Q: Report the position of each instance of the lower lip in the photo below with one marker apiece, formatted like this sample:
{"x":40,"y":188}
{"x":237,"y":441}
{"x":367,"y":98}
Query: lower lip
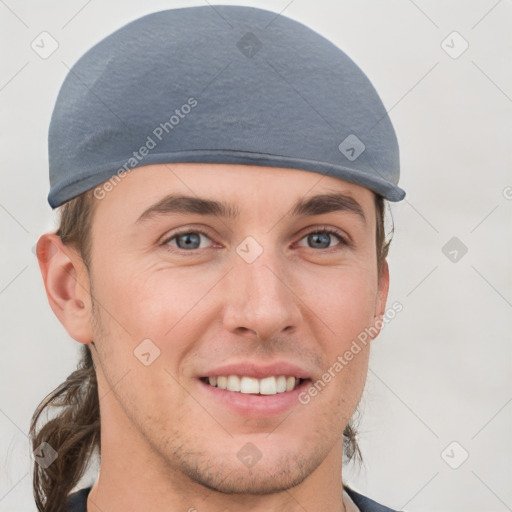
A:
{"x":255,"y":406}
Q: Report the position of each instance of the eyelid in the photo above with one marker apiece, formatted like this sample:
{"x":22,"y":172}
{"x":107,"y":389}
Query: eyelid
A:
{"x":344,"y":237}
{"x":183,"y":231}
{"x":326,"y":227}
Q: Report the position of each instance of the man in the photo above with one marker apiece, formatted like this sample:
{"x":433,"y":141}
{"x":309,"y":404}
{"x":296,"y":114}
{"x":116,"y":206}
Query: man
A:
{"x":221,"y":174}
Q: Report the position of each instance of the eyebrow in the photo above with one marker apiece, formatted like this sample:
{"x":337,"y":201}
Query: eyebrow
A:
{"x":310,"y":206}
{"x":327,"y":203}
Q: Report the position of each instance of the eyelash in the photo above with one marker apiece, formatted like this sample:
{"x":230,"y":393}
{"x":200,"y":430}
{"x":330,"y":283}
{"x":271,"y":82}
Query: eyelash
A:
{"x":344,"y":242}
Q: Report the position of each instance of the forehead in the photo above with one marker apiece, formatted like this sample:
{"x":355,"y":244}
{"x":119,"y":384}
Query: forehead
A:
{"x":238,"y":190}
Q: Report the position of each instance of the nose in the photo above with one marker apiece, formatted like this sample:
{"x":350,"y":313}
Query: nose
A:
{"x":261,"y":298}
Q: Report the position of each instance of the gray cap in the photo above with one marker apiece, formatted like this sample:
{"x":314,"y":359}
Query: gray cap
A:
{"x":222,"y":84}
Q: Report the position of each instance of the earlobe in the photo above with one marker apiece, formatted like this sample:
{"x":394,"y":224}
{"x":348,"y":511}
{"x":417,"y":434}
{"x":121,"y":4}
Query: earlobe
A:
{"x":66,"y":281}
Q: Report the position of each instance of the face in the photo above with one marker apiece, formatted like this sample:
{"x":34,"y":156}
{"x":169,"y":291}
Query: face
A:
{"x":262,"y":297}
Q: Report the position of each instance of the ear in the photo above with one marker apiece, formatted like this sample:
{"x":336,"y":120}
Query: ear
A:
{"x":66,"y":281}
{"x":381,"y":298}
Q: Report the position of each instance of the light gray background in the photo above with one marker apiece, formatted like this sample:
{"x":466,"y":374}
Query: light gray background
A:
{"x":441,"y":370}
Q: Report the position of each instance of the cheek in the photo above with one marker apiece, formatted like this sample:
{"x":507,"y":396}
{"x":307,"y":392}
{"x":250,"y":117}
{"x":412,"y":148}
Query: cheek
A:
{"x":163,"y":306}
{"x":342,"y":309}
{"x":146,"y":328}
{"x":343,"y":299}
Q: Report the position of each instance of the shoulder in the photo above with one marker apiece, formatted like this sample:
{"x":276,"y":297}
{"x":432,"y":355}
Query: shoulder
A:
{"x":77,"y":502}
{"x":366,"y":504}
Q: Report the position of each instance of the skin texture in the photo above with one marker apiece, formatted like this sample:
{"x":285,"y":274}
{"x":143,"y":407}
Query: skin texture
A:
{"x":166,"y":444}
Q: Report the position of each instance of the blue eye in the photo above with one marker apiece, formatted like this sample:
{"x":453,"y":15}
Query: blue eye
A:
{"x":321,"y":239}
{"x":186,"y":240}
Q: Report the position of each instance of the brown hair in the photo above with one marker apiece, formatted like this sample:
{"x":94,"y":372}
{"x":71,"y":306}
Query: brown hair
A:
{"x":74,"y":429}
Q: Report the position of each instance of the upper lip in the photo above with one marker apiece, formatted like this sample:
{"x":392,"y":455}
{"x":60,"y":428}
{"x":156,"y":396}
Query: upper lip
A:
{"x":259,"y":371}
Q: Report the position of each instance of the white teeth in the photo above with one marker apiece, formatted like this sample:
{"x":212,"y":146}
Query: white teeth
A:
{"x":233,"y":383}
{"x":268,"y":386}
{"x":281,"y":384}
{"x":250,"y":385}
{"x":222,"y":382}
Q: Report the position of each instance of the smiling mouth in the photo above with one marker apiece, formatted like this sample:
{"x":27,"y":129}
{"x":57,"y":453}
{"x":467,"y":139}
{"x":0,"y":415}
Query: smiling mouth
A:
{"x":249,"y":385}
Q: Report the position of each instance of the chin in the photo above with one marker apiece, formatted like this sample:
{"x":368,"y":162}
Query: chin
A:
{"x":223,"y":472}
{"x":255,"y":481}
